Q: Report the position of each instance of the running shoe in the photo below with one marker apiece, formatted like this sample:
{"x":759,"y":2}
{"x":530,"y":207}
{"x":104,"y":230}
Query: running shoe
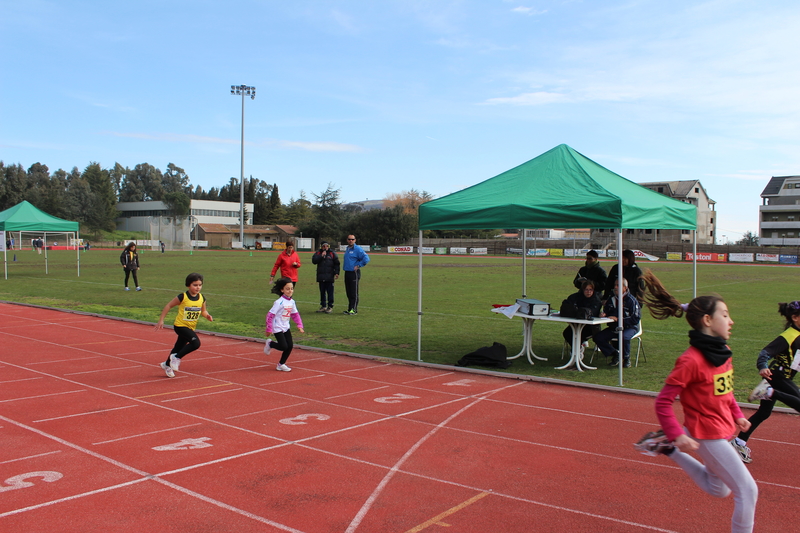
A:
{"x":138,"y":288}
{"x":763,"y":391}
{"x":174,"y":362}
{"x":167,"y":370}
{"x":321,"y":309}
{"x":655,"y":443}
{"x":283,"y":368}
{"x":329,"y":310}
{"x":127,"y":289}
{"x":743,"y":450}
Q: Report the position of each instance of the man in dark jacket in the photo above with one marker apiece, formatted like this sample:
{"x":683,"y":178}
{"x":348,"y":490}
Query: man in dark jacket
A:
{"x":631,"y":315}
{"x":327,"y":272}
{"x":593,"y":272}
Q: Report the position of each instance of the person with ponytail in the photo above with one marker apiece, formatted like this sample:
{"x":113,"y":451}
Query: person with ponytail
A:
{"x":703,"y":378}
{"x":778,"y":375}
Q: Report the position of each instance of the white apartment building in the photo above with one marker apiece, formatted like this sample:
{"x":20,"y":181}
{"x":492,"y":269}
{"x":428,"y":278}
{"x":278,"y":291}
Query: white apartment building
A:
{"x":136,"y":216}
{"x":779,"y":212}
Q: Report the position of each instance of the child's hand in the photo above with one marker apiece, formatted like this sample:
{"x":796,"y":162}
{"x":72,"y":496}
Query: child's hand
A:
{"x":301,"y":330}
{"x":159,"y":325}
{"x":743,"y":424}
{"x":210,"y":318}
{"x":686,"y":444}
{"x":765,"y":373}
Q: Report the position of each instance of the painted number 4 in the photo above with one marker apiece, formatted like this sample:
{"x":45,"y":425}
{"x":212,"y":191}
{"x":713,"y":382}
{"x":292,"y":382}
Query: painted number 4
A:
{"x":185,"y":444}
{"x":18,"y":482}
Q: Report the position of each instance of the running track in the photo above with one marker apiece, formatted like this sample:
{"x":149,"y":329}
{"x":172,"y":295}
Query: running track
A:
{"x":94,"y":438}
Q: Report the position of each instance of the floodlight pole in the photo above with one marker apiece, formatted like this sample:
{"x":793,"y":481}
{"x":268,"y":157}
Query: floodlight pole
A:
{"x":244,"y":90}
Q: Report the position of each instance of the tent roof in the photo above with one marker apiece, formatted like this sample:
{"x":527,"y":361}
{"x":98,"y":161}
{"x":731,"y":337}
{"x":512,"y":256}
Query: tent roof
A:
{"x":25,"y":217}
{"x":560,"y":188}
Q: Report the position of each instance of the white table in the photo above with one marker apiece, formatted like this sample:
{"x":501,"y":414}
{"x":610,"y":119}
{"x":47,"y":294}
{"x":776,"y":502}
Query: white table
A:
{"x":577,"y":325}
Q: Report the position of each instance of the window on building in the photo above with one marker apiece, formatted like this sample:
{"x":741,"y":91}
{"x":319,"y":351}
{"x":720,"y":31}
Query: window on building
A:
{"x":790,"y":217}
{"x":774,"y":219}
{"x":661,"y":189}
{"x":697,"y":190}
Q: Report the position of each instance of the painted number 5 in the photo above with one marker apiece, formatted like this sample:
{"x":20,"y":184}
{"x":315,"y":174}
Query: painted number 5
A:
{"x":18,"y":482}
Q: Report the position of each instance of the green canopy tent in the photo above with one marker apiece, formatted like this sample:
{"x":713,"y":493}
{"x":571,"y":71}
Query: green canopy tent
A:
{"x":25,"y":218}
{"x":559,"y":189}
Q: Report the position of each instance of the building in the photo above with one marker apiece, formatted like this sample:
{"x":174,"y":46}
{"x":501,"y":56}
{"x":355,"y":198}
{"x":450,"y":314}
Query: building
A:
{"x":779,"y":212}
{"x":690,"y":192}
{"x":137,"y":216}
{"x":255,"y":237}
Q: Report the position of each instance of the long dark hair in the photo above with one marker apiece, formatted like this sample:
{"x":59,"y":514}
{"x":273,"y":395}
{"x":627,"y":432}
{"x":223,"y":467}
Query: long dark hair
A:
{"x":129,"y":246}
{"x":789,"y":310}
{"x":279,"y":285}
{"x":663,"y":305}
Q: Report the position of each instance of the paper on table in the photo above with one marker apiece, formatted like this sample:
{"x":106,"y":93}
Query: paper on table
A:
{"x":510,"y":310}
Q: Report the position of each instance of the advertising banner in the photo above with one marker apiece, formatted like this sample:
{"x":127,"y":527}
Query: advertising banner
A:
{"x":539,"y":252}
{"x":479,"y":251}
{"x":427,"y":249}
{"x":641,"y":255}
{"x":440,"y":250}
{"x":400,"y":249}
{"x":788,"y":259}
{"x":555,"y":252}
{"x":769,"y":258}
{"x":708,"y":256}
{"x":458,"y":251}
{"x":674,"y":256}
{"x":741,"y":258}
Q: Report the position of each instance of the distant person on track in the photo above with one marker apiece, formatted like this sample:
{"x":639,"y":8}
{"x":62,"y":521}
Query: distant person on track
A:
{"x":288,"y":262}
{"x":703,"y":378}
{"x":278,"y":321}
{"x":130,"y":264}
{"x":327,"y":273}
{"x":191,"y":306}
{"x":355,"y":258}
{"x":778,"y":375}
{"x":593,"y":272}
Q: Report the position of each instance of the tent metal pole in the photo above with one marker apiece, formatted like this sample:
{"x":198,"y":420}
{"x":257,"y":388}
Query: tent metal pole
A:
{"x":620,"y":278}
{"x":78,"y":249}
{"x":524,"y":267}
{"x":46,"y":271}
{"x":419,"y":300}
{"x":694,"y":263}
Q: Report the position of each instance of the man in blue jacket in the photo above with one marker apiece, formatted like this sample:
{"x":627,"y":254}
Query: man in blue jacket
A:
{"x":354,"y":259}
{"x":631,"y":315}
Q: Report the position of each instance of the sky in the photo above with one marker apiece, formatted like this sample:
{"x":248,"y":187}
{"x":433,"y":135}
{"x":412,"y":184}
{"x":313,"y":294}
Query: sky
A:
{"x":378,"y":97}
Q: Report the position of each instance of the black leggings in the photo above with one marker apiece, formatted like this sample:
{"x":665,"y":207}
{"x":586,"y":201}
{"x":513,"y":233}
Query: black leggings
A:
{"x":784,"y":390}
{"x":187,"y":342}
{"x":284,"y":344}
{"x":128,"y":275}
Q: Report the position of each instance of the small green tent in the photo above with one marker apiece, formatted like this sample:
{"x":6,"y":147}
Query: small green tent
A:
{"x":561,"y":188}
{"x":24,"y":217}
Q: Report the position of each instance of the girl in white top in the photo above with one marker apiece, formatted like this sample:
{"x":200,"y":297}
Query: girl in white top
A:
{"x":278,"y":321}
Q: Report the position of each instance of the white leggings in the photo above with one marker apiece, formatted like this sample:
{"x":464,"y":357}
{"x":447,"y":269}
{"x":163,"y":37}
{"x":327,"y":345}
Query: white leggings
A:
{"x":722,"y":474}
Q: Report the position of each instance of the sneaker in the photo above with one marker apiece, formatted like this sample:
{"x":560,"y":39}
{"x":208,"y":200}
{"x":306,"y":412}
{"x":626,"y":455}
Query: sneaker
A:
{"x":165,"y":367}
{"x":743,"y":450}
{"x":283,"y":368}
{"x":763,"y":391}
{"x":350,"y":312}
{"x":127,"y":289}
{"x":138,"y":288}
{"x":614,"y":361}
{"x":655,"y":443}
{"x":329,"y":310}
{"x":174,"y":362}
{"x":626,"y":363}
{"x":268,"y":347}
{"x":321,"y":309}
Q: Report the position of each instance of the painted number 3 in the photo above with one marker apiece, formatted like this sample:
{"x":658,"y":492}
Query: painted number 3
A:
{"x":18,"y":482}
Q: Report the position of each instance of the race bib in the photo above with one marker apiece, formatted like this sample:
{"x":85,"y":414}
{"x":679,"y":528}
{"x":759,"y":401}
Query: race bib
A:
{"x":723,"y":383}
{"x":796,"y":362}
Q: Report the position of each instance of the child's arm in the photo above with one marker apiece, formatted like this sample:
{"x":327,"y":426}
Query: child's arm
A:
{"x":297,"y":320}
{"x":204,"y":312}
{"x":668,"y":420}
{"x":172,"y":303}
{"x":269,"y":320}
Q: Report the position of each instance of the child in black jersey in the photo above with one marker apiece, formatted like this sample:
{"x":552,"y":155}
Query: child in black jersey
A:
{"x":778,"y":375}
{"x":191,"y":306}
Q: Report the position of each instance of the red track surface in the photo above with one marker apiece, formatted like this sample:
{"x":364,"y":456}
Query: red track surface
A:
{"x":94,"y":438}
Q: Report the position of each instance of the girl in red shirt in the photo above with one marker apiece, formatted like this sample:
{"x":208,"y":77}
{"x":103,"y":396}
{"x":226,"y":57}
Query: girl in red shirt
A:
{"x":703,"y":378}
{"x":288,"y":262}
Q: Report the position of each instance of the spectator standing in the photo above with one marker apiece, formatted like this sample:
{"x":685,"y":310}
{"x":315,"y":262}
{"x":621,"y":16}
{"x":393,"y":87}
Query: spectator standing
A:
{"x":355,"y":258}
{"x":288,"y":262}
{"x":130,"y":264}
{"x":593,"y":272}
{"x":327,"y":272}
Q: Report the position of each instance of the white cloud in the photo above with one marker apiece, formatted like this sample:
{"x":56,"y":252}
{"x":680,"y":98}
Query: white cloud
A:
{"x":529,"y":99}
{"x":528,"y":11}
{"x":309,"y":146}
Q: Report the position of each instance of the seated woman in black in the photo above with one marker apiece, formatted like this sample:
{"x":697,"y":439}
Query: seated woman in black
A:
{"x":586,"y":297}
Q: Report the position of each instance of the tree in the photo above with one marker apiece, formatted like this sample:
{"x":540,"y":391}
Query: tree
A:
{"x":102,"y":211}
{"x":178,"y":203}
{"x":15,"y":185}
{"x":261,"y":210}
{"x":298,"y":211}
{"x":748,"y":239}
{"x":384,"y":226}
{"x":408,"y":200}
{"x":175,"y":180}
{"x":142,"y":184}
{"x":327,"y":219}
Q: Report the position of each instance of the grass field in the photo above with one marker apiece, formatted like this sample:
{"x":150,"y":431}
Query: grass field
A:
{"x":458,"y":293}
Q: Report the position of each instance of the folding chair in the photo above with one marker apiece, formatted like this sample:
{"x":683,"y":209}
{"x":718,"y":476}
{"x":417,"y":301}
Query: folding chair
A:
{"x":639,"y":347}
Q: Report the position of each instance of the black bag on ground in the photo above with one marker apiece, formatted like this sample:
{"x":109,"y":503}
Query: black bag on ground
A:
{"x":570,"y":310}
{"x":494,"y":355}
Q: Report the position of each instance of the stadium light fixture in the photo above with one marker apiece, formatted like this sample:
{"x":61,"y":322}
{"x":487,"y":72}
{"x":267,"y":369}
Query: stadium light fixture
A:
{"x":243,"y":90}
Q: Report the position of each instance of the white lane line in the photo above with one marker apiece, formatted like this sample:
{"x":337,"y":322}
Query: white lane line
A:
{"x":145,"y":434}
{"x":84,"y":414}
